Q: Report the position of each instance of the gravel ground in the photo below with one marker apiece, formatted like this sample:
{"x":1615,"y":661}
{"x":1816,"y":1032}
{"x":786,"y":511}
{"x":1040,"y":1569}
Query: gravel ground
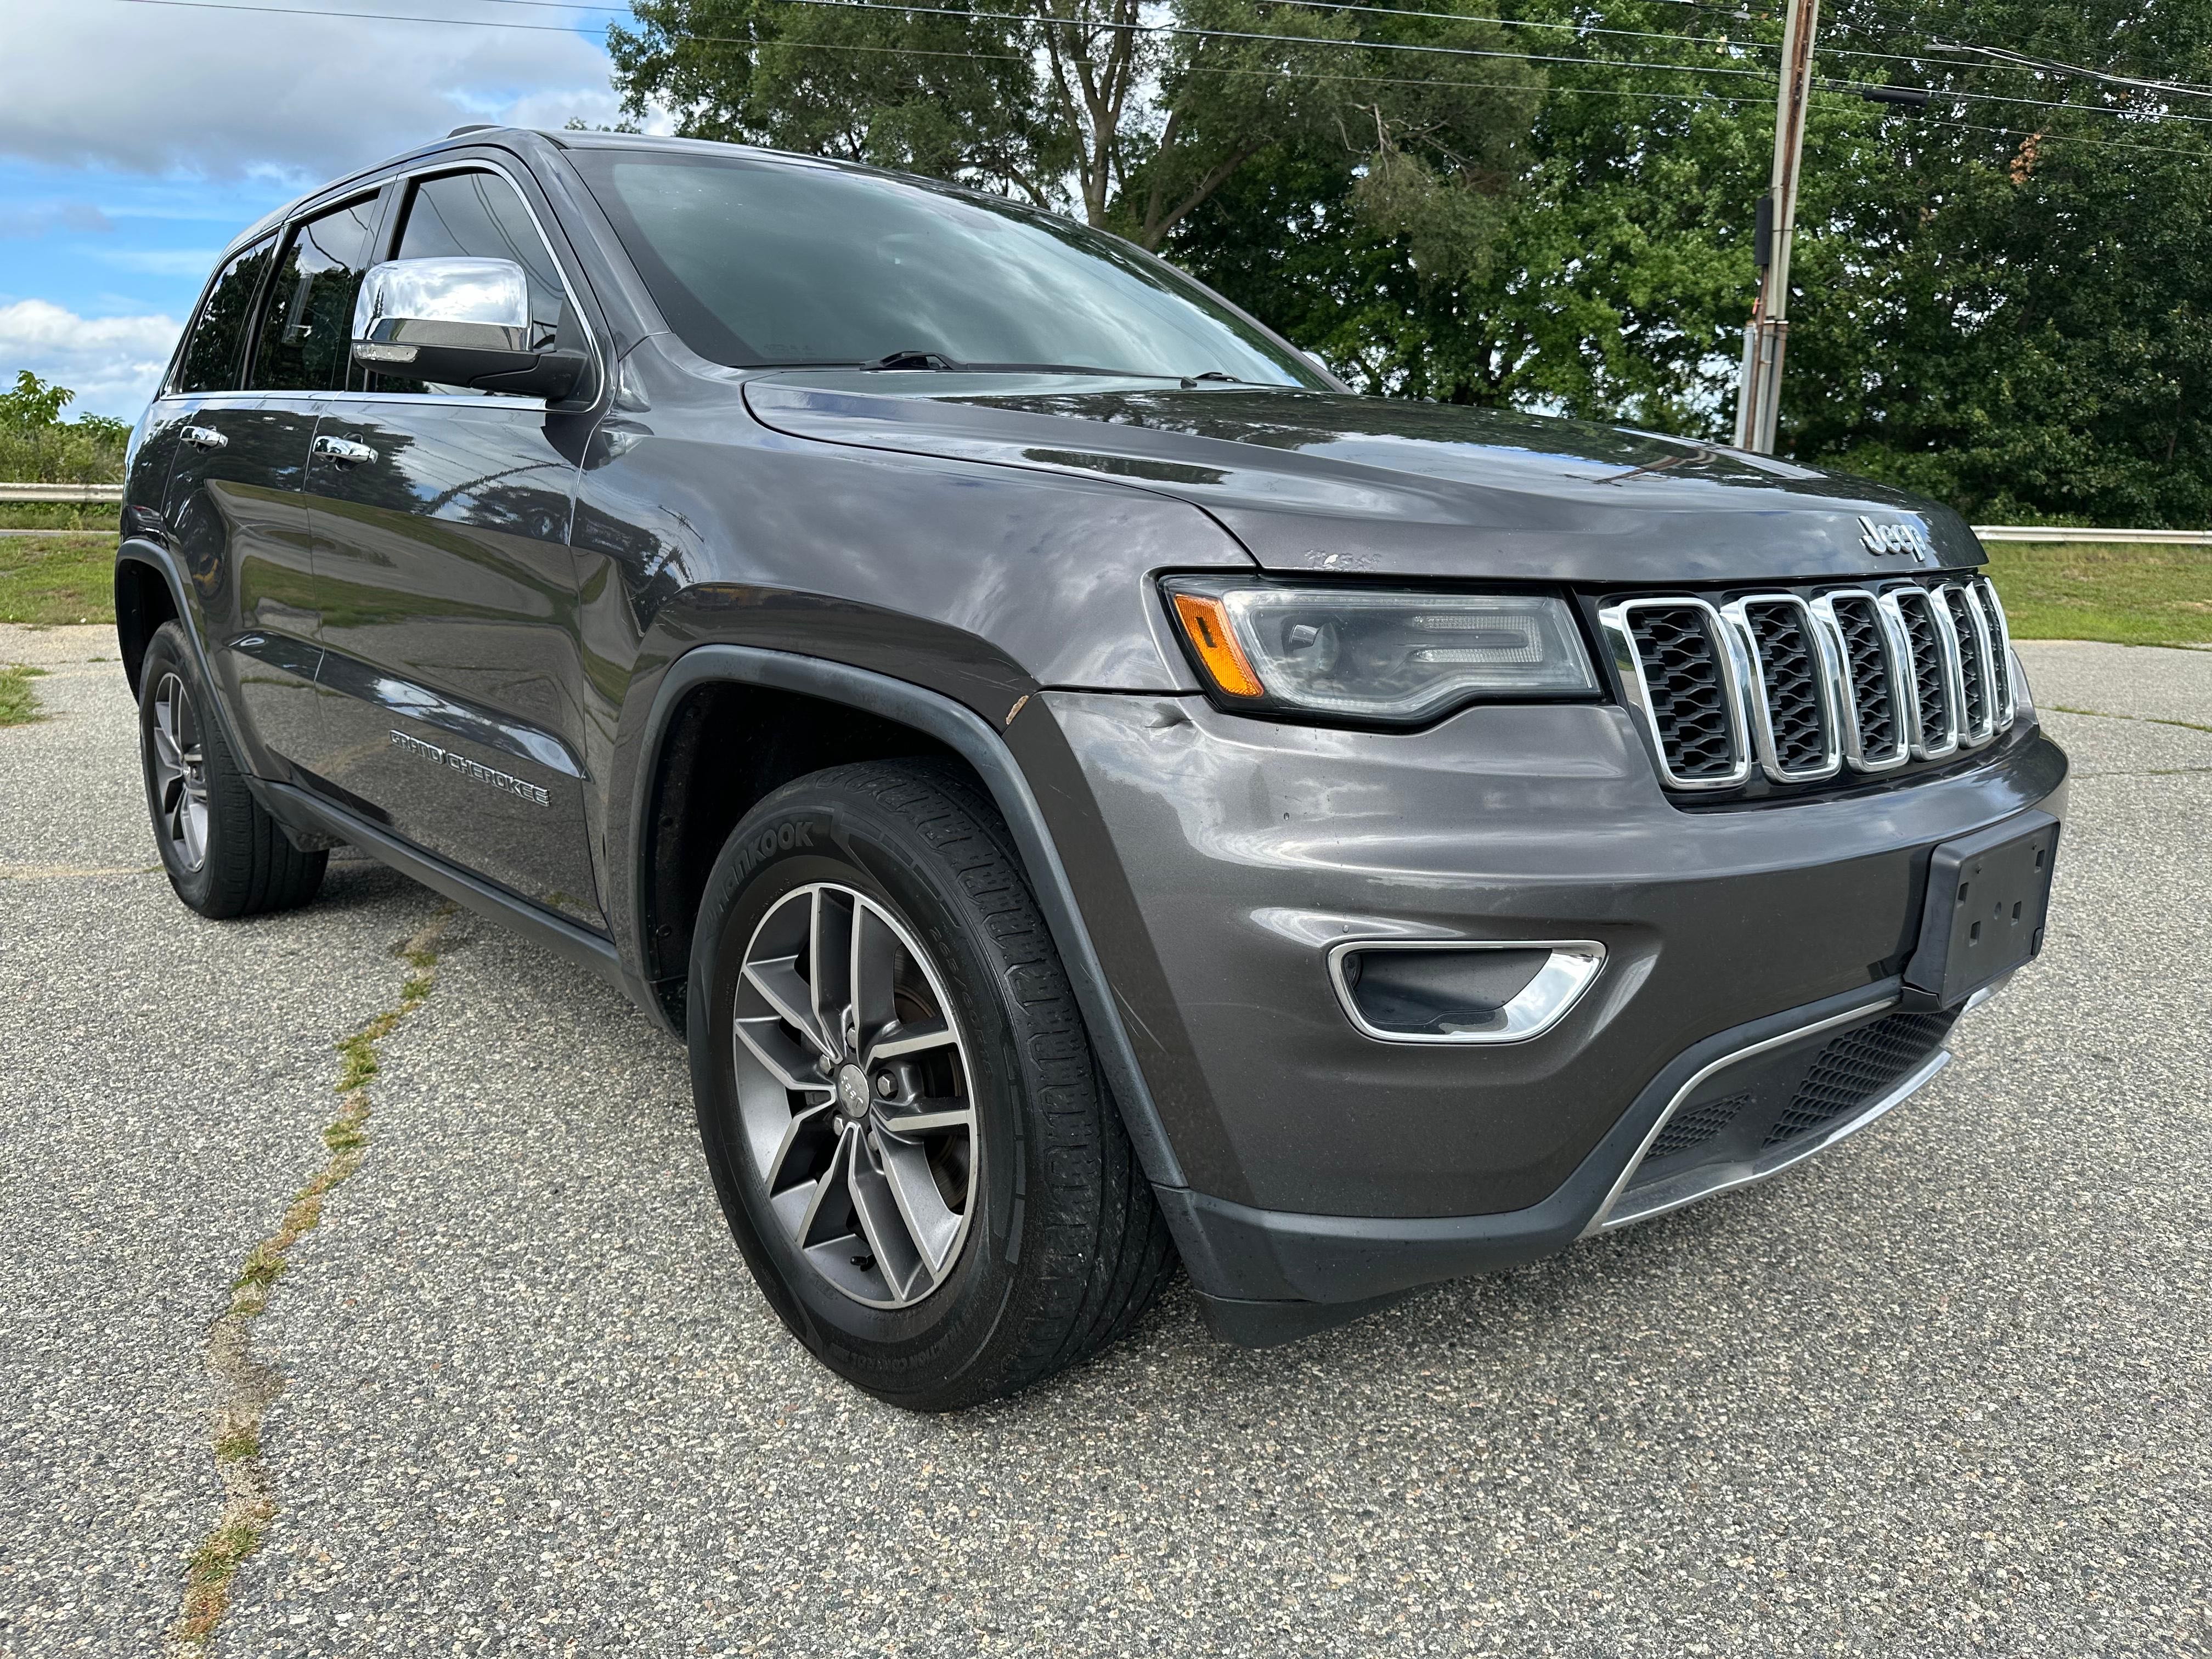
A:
{"x":1942,"y":1391}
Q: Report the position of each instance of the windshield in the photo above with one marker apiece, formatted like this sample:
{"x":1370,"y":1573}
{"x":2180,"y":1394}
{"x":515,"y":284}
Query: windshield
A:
{"x":758,"y":263}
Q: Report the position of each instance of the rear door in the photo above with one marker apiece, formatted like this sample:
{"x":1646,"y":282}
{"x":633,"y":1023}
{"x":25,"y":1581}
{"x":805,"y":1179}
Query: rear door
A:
{"x":237,"y":522}
{"x":446,"y":590}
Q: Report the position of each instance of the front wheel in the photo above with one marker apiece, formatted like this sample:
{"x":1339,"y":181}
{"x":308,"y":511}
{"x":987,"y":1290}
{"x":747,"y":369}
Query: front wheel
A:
{"x":898,"y":1101}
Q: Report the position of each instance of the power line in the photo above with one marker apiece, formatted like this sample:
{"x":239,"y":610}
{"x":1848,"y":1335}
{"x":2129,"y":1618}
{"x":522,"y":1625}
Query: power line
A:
{"x":1762,"y":73}
{"x":1724,"y":41}
{"x":1720,"y":41}
{"x":984,"y":16}
{"x":1295,"y":41}
{"x":2046,"y":66}
{"x":942,"y":11}
{"x":2040,"y":138}
{"x":1546,"y":91}
{"x":1191,"y":32}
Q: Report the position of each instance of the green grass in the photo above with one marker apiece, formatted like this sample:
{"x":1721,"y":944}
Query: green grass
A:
{"x":59,"y":515}
{"x":50,"y":579}
{"x":2128,"y":593}
{"x":2122,"y":593}
{"x":19,"y":704}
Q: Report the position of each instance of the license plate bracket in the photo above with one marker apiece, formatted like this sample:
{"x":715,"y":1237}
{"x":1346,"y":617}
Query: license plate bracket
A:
{"x":1988,"y":898}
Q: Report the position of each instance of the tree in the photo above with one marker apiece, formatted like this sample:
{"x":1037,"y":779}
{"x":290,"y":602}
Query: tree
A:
{"x":2006,"y":305}
{"x":37,"y":446}
{"x":1132,"y":116}
{"x":1622,"y":266}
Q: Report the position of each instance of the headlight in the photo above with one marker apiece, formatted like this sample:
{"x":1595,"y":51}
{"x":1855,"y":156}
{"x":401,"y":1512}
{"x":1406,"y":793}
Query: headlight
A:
{"x":1398,"y":659}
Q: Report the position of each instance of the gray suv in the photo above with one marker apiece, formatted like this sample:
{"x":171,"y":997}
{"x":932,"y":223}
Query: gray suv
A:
{"x":1092,"y":793}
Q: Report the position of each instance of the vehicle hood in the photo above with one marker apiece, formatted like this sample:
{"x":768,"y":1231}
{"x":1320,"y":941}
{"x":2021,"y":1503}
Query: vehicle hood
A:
{"x":1318,"y":480}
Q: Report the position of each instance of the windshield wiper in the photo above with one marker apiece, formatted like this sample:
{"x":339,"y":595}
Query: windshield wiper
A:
{"x":910,"y":359}
{"x":940,"y":361}
{"x":1190,"y":382}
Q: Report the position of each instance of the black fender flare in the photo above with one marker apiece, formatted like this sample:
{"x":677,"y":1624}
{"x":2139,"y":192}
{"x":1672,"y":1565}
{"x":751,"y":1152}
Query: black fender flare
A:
{"x":968,"y":735}
{"x":138,"y":549}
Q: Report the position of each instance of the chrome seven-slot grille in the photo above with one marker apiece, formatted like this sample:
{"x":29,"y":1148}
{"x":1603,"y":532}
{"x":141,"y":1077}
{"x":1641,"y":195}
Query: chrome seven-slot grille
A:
{"x":1803,"y":687}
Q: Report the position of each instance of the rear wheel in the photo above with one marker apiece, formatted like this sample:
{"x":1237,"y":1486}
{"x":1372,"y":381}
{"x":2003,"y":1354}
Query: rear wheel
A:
{"x":899,"y":1103}
{"x":225,"y":856}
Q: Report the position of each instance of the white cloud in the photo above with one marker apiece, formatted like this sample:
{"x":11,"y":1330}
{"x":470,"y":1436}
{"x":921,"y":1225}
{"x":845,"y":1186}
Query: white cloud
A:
{"x":223,"y":93}
{"x":38,"y":220}
{"x":192,"y":262}
{"x":112,"y":364}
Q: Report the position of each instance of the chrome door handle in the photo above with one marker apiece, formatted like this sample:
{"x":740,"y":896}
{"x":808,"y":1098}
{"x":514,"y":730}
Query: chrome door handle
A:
{"x":204,"y":437}
{"x":344,"y":453}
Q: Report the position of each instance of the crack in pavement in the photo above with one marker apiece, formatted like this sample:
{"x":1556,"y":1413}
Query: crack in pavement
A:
{"x":246,"y":1386}
{"x":2147,"y":772}
{"x":72,"y":872}
{"x":2144,"y":720}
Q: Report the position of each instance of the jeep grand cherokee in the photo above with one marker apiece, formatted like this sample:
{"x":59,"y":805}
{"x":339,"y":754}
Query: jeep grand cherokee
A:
{"x":1092,"y":793}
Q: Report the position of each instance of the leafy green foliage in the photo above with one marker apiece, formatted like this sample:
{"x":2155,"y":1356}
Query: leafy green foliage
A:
{"x":1087,"y":105}
{"x":2017,"y":320}
{"x":2003,"y":301}
{"x":37,"y":446}
{"x":2014,"y":320}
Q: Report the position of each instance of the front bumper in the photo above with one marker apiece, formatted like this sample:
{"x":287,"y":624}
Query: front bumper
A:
{"x":1217,"y":858}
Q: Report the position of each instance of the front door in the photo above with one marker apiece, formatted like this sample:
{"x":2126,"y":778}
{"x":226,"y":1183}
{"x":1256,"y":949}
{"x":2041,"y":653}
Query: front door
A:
{"x":447,"y":593}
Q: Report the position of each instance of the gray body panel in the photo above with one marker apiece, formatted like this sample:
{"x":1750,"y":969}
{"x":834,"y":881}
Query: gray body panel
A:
{"x":1330,"y":483}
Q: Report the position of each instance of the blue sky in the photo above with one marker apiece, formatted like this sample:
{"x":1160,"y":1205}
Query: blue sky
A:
{"x":135,"y":139}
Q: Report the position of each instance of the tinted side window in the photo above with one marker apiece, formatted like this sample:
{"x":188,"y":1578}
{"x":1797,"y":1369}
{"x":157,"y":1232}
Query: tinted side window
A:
{"x":306,"y":340}
{"x":478,"y":216}
{"x":210,"y":361}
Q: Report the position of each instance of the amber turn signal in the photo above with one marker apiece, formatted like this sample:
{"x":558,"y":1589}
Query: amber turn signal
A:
{"x":1204,"y":622}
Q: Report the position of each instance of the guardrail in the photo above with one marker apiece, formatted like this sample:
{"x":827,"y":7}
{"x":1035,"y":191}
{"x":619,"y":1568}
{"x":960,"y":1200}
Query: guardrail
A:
{"x":2035,"y":533}
{"x":75,"y":494}
{"x":93,"y":494}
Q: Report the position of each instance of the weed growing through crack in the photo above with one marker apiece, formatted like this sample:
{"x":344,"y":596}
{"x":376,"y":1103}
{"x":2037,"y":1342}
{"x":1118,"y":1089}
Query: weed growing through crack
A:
{"x":246,"y":1386}
{"x":19,"y":703}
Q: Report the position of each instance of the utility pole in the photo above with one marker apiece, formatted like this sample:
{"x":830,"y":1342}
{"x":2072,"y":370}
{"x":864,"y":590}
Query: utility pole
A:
{"x":1759,"y":393}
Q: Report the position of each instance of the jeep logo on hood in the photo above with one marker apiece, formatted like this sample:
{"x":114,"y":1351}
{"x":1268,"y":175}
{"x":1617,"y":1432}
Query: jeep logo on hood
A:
{"x":1909,"y":540}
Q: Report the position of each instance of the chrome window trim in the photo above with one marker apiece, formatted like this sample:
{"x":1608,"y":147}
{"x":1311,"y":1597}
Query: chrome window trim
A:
{"x":570,"y":283}
{"x":217,"y":399}
{"x":1759,"y":704}
{"x":1973,"y":734}
{"x":1891,"y":602}
{"x":1628,"y":663}
{"x":1893,"y":666}
{"x":1572,"y":968}
{"x":281,"y":234}
{"x":432,"y":400}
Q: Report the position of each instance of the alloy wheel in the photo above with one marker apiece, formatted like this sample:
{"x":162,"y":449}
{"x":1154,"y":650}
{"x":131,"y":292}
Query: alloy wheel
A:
{"x":179,"y":770}
{"x":855,"y":1096}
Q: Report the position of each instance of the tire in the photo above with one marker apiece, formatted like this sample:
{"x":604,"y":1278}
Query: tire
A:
{"x":1057,"y":1246}
{"x":225,"y":856}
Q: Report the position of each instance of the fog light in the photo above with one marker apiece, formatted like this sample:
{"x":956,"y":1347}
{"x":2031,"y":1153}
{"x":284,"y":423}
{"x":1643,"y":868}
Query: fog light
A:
{"x":1461,"y":991}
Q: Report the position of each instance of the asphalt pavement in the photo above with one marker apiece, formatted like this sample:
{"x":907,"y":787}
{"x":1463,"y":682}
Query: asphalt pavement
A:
{"x":1943,"y":1390}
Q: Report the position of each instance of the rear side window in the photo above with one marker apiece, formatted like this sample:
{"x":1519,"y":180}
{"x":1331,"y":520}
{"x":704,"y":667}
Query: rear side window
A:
{"x":478,"y":216}
{"x":210,"y":362}
{"x":306,"y":340}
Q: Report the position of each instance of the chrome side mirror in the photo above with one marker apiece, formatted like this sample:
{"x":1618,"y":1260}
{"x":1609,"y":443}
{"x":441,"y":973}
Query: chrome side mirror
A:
{"x":458,"y":322}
